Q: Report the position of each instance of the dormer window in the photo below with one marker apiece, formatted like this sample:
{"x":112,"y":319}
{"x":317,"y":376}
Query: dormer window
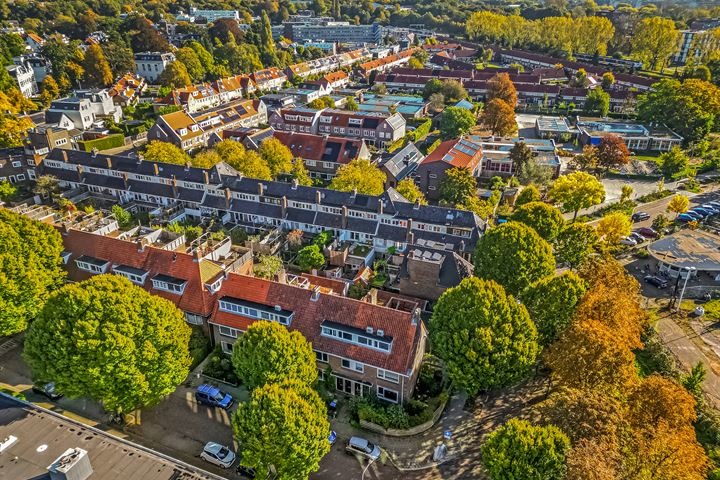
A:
{"x":92,"y":264}
{"x":135,"y":275}
{"x":257,"y":311}
{"x":183,"y":131}
{"x":169,"y":284}
{"x":357,"y":336}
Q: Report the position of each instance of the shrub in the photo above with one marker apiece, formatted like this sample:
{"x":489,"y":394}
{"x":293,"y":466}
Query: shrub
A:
{"x":219,"y":366}
{"x":104,"y":143}
{"x":199,"y":346}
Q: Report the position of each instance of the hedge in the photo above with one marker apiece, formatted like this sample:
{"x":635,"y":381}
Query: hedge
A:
{"x":104,"y":143}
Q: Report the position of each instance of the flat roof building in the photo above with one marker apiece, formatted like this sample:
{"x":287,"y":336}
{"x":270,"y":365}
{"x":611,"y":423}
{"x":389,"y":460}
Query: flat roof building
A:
{"x":687,"y":249}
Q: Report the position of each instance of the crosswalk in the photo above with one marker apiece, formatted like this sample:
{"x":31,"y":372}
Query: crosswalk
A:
{"x":7,"y":346}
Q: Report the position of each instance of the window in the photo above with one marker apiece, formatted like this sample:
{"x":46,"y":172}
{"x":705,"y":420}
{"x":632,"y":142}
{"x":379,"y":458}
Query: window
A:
{"x":169,"y":287}
{"x":352,"y":365}
{"x":89,"y":267}
{"x":21,"y":177}
{"x":358,"y":339}
{"x":138,"y":279}
{"x":232,"y":307}
{"x":387,"y":394}
{"x":226,"y":347}
{"x":193,"y":319}
{"x":16,"y":164}
{"x":228,"y":332}
{"x":322,"y":357}
{"x":388,"y":376}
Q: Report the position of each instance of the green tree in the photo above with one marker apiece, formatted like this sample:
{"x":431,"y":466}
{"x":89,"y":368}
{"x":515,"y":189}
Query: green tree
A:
{"x":361,"y":175}
{"x":485,"y":338}
{"x":120,"y":58}
{"x":625,"y":193}
{"x":525,"y":165}
{"x":608,"y":80}
{"x":499,"y":117}
{"x":457,"y":186}
{"x":674,"y":162}
{"x":158,"y":151}
{"x":6,"y":190}
{"x":432,"y":86}
{"x":574,"y":244}
{"x":300,"y":172}
{"x":282,"y":427}
{"x":188,"y":57}
{"x":269,"y":353}
{"x":513,"y":255}
{"x":309,"y":258}
{"x":267,"y":266}
{"x":109,"y":340}
{"x":456,"y":121}
{"x":545,"y":219}
{"x":46,"y":186}
{"x":175,"y":75}
{"x":408,"y":189}
{"x":527,"y":195}
{"x":551,"y":302}
{"x":206,"y":58}
{"x":519,"y":450}
{"x":268,"y":55}
{"x":598,"y":101}
{"x":97,"y":68}
{"x":123,"y":217}
{"x":654,"y":40}
{"x":30,"y":268}
{"x":577,"y":191}
{"x":49,"y":90}
{"x":453,"y":91}
{"x":277,"y":156}
{"x":351,"y":105}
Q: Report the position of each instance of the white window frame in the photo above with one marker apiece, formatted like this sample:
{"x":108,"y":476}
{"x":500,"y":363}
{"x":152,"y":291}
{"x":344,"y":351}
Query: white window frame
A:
{"x":194,"y":319}
{"x":381,"y":394}
{"x":168,"y":287}
{"x":228,"y":331}
{"x":388,"y":376}
{"x":322,"y":357}
{"x":226,"y":347}
{"x":89,"y":267}
{"x":352,"y":365}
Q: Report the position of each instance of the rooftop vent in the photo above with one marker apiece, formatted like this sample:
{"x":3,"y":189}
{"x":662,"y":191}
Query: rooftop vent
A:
{"x":7,"y":442}
{"x":74,"y":464}
{"x":278,"y":308}
{"x":381,"y":333}
{"x":370,"y":330}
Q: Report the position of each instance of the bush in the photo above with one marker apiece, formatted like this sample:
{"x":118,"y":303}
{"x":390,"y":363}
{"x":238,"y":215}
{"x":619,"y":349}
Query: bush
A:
{"x":104,"y":143}
{"x":220,"y":367}
{"x":323,"y":239}
{"x":199,"y":346}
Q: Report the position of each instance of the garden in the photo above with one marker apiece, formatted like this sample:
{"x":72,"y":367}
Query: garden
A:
{"x":219,"y":367}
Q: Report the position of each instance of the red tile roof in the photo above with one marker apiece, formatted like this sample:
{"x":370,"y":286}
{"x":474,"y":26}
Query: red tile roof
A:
{"x":319,"y":147}
{"x":459,"y":152}
{"x":195,"y":298}
{"x":309,"y":315}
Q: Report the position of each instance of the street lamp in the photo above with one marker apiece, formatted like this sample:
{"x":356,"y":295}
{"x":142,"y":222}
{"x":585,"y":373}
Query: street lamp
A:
{"x":682,"y":292}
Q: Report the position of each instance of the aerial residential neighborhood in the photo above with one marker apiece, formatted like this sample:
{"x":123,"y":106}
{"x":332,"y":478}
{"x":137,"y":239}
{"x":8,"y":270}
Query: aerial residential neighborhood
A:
{"x":332,"y":239}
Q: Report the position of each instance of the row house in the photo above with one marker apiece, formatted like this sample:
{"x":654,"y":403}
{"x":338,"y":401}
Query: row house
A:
{"x":334,"y":80}
{"x":190,"y":131}
{"x":127,"y":90}
{"x":41,"y":139}
{"x":383,"y":222}
{"x":376,"y":128}
{"x":457,"y":153}
{"x":192,"y":98}
{"x":323,"y":154}
{"x":382,"y":64}
{"x":326,"y":64}
{"x":269,"y":79}
{"x":443,"y":61}
{"x":366,"y":347}
{"x":15,"y":168}
{"x":295,"y":119}
{"x":232,"y":88}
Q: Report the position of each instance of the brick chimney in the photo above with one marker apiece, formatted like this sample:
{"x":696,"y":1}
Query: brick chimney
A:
{"x":65,"y":156}
{"x":156,"y":169}
{"x":80,"y":171}
{"x":207,"y":177}
{"x":125,"y":180}
{"x":228,"y":196}
{"x":282,"y":276}
{"x":173,"y":182}
{"x":109,"y":162}
{"x":284,"y":205}
{"x":318,"y":197}
{"x":372,"y":296}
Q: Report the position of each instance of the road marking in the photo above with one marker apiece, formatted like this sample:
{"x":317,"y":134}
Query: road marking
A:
{"x":8,"y":346}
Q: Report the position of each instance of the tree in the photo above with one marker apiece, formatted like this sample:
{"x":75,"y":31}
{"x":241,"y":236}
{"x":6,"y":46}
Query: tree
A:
{"x":46,"y":186}
{"x":109,"y":340}
{"x":500,"y":87}
{"x":513,"y":255}
{"x":351,"y":105}
{"x":278,"y":157}
{"x":360,"y":175}
{"x":612,"y":152}
{"x":527,"y":195}
{"x":123,"y":217}
{"x":499,"y":117}
{"x":300,"y":173}
{"x":269,"y":353}
{"x":282,"y":427}
{"x":585,"y":414}
{"x":175,"y":75}
{"x":6,"y":190}
{"x":432,"y":86}
{"x":206,"y":159}
{"x":97,"y":68}
{"x":678,"y":204}
{"x":598,"y":101}
{"x":588,"y":158}
{"x":484,"y":337}
{"x":415,"y":63}
{"x":482,"y":208}
{"x":574,"y":244}
{"x":30,"y":268}
{"x":13,"y":130}
{"x":577,"y":191}
{"x":613,"y":227}
{"x":268,"y":54}
{"x":551,"y":302}
{"x":458,"y":185}
{"x":455,"y":122}
{"x":436,"y":102}
{"x":226,"y":30}
{"x":188,"y":57}
{"x":545,"y":219}
{"x":309,"y":258}
{"x":625,"y":193}
{"x":654,"y":40}
{"x":608,"y":80}
{"x":49,"y":90}
{"x":525,"y":165}
{"x":408,"y":189}
{"x":158,"y":151}
{"x":520,"y":450}
{"x":453,"y":91}
{"x":120,"y":58}
{"x":674,"y":162}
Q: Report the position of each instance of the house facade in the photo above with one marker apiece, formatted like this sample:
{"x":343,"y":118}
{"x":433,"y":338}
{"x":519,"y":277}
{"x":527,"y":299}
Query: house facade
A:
{"x":24,"y":76}
{"x":150,"y":65}
{"x":458,"y":153}
{"x":375,"y":128}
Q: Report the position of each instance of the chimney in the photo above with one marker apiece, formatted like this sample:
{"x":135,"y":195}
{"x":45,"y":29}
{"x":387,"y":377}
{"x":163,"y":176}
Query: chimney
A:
{"x":284,"y":205}
{"x":294,"y":184}
{"x":344,"y":211}
{"x":109,"y":162}
{"x":416,"y":206}
{"x":125,"y":180}
{"x":65,"y":157}
{"x":353,"y":194}
{"x":228,"y":196}
{"x":174,"y":186}
{"x":80,"y":171}
{"x":94,"y":152}
{"x":140,"y":245}
{"x":156,"y":169}
{"x":207,"y":177}
{"x":315,"y":294}
{"x":261,"y":187}
{"x":381,"y":206}
{"x":187,"y":166}
{"x":372,"y":296}
{"x":73,"y":464}
{"x":318,"y":197}
{"x":410,"y":238}
{"x":282,"y":276}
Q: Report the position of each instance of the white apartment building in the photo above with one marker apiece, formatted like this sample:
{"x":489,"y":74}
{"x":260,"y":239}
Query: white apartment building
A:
{"x":151,"y":64}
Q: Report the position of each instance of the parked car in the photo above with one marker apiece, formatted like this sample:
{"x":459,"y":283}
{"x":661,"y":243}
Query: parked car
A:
{"x":213,"y":397}
{"x":684,"y":217}
{"x":47,"y":389}
{"x":656,"y":281}
{"x":628,"y":241}
{"x":332,"y":438}
{"x":217,"y":454}
{"x":640,"y":216}
{"x":715,"y":204}
{"x":711,"y":208}
{"x":695,"y":215}
{"x":637,"y":237}
{"x":360,"y":446}
{"x":647,"y":232}
{"x":701,"y":211}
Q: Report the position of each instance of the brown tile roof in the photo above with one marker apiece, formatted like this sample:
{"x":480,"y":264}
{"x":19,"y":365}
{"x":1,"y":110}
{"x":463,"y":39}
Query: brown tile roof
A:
{"x":195,"y":298}
{"x":309,"y":315}
{"x":320,"y":148}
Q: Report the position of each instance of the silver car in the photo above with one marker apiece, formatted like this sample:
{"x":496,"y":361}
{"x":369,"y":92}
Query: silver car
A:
{"x":362,"y":447}
{"x":217,"y":454}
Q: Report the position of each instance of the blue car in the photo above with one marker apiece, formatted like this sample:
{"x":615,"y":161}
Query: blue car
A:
{"x":695,"y":215}
{"x":213,"y":397}
{"x":684,"y":217}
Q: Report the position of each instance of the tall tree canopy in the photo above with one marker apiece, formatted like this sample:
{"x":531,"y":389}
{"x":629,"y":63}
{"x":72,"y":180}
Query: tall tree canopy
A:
{"x":484,"y":337}
{"x":360,"y":175}
{"x":577,"y":191}
{"x":110,"y":340}
{"x":30,"y":268}
{"x":513,"y":255}
{"x":545,"y":219}
{"x":456,"y":121}
{"x":655,"y":39}
{"x":268,"y":353}
{"x":157,"y":151}
{"x":499,"y":117}
{"x":458,"y":185}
